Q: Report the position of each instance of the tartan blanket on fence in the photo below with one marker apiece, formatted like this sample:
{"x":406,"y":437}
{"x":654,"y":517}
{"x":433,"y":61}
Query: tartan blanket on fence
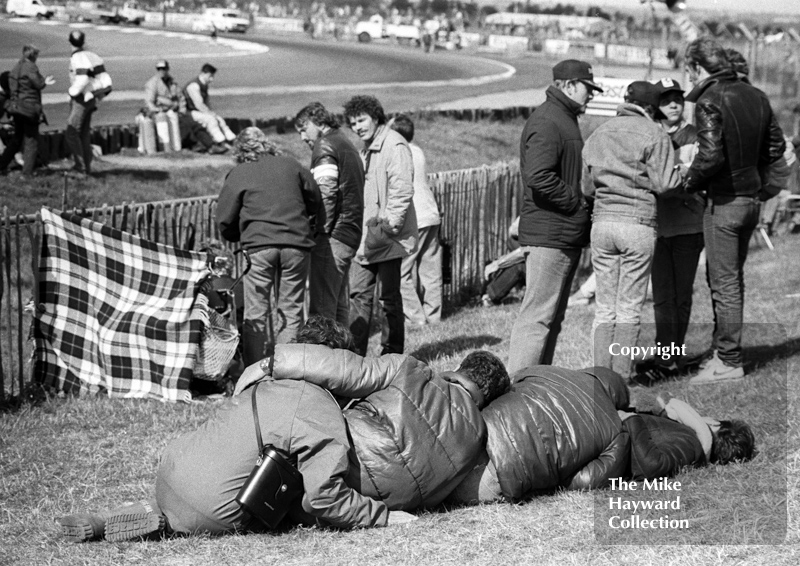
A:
{"x":115,"y":312}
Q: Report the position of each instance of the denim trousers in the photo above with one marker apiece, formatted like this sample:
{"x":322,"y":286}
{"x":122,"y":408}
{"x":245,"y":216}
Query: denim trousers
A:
{"x":674,"y":268}
{"x":727,"y":229}
{"x":548,"y":277}
{"x":283,"y":268}
{"x":26,"y":136}
{"x":421,"y":279}
{"x":622,"y":254}
{"x":328,"y":279}
{"x":78,"y":134}
{"x":363,"y":279}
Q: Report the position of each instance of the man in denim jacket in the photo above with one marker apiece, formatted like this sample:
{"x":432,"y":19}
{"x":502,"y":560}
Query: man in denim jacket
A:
{"x":630,"y":159}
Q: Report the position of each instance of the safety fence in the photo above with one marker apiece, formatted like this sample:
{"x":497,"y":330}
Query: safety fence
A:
{"x":477,"y":205}
{"x":114,"y":138}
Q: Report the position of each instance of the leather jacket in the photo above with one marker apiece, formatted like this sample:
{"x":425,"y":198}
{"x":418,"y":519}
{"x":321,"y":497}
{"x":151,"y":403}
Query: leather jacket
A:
{"x":738,"y":136}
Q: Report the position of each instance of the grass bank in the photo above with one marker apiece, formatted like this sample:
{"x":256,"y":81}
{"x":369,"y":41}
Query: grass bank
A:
{"x":68,"y":455}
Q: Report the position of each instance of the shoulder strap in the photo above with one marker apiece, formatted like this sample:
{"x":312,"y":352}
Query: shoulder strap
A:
{"x":255,"y":418}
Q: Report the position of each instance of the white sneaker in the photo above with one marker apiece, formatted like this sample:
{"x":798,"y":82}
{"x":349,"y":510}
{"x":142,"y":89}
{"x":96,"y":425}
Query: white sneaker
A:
{"x":717,"y":372}
{"x":714,"y":359}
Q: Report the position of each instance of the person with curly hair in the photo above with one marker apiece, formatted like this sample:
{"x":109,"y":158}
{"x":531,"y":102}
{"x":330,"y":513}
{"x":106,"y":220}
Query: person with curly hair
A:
{"x":389,"y":232}
{"x":268,"y":203}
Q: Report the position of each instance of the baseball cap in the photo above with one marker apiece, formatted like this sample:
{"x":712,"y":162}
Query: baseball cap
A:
{"x":668,"y":85}
{"x":77,"y":38}
{"x":572,"y":69}
{"x":643,"y":92}
{"x":163,"y":64}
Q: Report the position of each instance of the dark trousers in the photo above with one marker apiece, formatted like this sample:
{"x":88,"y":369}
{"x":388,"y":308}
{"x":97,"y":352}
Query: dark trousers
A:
{"x":727,"y":229}
{"x":363,"y":279}
{"x":26,"y":135}
{"x":78,"y":134}
{"x":674,"y":268}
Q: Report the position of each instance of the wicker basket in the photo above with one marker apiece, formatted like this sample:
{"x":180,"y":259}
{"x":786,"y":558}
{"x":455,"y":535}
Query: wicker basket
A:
{"x":217,"y":346}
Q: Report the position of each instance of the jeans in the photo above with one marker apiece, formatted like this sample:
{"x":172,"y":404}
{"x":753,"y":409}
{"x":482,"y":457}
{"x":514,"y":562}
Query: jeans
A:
{"x":78,"y":134}
{"x":622,"y":254}
{"x":26,"y":136}
{"x":328,"y":279}
{"x":727,"y":229}
{"x":362,"y":291}
{"x":548,"y":278}
{"x":287,"y":268}
{"x":674,"y":267}
{"x":421,"y":279}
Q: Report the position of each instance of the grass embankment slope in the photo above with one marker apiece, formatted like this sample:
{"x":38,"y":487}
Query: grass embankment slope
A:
{"x":75,"y":454}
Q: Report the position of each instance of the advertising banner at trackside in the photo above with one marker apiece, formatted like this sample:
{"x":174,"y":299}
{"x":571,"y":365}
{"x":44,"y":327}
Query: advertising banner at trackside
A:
{"x":632,"y":55}
{"x":613,"y":95}
{"x":507,"y":42}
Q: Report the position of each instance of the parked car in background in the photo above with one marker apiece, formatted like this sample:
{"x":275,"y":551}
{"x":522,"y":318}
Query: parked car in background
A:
{"x":29,"y":8}
{"x":132,"y":12}
{"x":221,"y":19}
{"x":377,"y":28}
{"x":97,"y":12}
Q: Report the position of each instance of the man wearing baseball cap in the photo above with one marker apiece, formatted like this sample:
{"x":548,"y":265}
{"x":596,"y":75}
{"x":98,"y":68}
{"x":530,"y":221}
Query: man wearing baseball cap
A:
{"x":630,"y":160}
{"x":554,"y":222}
{"x":89,"y":82}
{"x":162,"y":99}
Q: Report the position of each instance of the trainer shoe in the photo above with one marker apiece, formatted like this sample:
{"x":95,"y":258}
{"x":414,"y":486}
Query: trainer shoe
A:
{"x":82,"y":527}
{"x":654,"y":374}
{"x":133,"y":524}
{"x":717,"y":372}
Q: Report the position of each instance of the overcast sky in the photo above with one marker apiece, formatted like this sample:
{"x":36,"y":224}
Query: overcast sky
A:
{"x":763,"y":6}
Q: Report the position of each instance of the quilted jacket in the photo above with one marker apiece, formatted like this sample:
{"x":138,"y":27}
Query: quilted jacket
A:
{"x":558,"y":428}
{"x":415,"y":435}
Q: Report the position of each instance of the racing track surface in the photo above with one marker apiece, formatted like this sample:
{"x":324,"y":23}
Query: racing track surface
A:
{"x":280,"y":76}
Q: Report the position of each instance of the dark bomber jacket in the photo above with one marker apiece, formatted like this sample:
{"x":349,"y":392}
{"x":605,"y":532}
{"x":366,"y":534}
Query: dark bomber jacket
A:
{"x":737,"y":134}
{"x":554,"y":212}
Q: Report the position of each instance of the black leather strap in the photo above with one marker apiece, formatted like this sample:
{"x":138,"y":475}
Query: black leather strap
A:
{"x":255,"y":418}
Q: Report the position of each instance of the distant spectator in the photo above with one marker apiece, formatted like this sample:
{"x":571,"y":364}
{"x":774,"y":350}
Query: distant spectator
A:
{"x":267,"y":204}
{"x":161,"y":92}
{"x":89,"y":83}
{"x":198,"y":106}
{"x":339,"y":172}
{"x":421,"y":271}
{"x":390,"y":225}
{"x":25,"y":85}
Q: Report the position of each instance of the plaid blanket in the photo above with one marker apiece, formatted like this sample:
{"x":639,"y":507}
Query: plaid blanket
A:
{"x":115,"y":312}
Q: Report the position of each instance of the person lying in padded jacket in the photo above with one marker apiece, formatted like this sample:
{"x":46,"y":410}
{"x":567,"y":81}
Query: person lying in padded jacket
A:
{"x":415,"y":434}
{"x":555,"y":428}
{"x":671,"y":435}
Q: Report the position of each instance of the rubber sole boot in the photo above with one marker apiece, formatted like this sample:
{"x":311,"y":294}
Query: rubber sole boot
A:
{"x":82,"y":527}
{"x":131,"y":526}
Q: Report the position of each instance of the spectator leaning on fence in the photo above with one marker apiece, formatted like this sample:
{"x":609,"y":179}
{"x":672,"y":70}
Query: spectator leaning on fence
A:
{"x":339,"y":172}
{"x":554,"y":223}
{"x":629,"y":161}
{"x":25,"y":87}
{"x":268,"y":204}
{"x":89,"y":83}
{"x":421,"y":271}
{"x":390,"y":224}
{"x":198,"y":106}
{"x":738,"y":139}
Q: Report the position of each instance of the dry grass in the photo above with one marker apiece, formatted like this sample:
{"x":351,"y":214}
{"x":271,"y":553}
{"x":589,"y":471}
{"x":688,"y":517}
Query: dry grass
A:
{"x":68,"y":455}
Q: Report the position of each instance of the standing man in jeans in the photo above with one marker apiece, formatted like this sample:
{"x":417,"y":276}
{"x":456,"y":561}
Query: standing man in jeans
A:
{"x":268,"y":204}
{"x":738,"y":138}
{"x":339,"y":172}
{"x":390,"y":225}
{"x":89,"y":83}
{"x":554,"y":223}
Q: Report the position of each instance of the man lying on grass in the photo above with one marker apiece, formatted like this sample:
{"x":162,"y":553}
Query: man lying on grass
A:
{"x":415,"y":434}
{"x":201,"y":472}
{"x":561,"y":428}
